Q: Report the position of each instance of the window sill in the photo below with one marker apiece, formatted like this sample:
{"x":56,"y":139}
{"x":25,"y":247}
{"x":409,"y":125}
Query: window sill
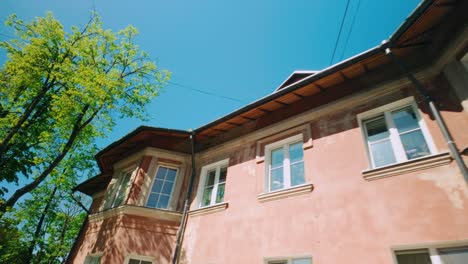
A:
{"x":161,"y":214}
{"x":293,"y":191}
{"x":408,"y":166}
{"x":209,"y":209}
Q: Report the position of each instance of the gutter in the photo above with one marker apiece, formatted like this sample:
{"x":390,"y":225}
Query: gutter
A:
{"x":415,"y":15}
{"x":180,"y":233}
{"x":133,"y":133}
{"x":434,"y":111}
{"x":308,"y":80}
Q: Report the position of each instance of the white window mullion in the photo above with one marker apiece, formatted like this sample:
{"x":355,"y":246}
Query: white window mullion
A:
{"x":215,"y":186}
{"x":434,"y":255}
{"x":117,"y":191}
{"x":395,"y":138}
{"x":286,"y":167}
{"x":424,"y":130}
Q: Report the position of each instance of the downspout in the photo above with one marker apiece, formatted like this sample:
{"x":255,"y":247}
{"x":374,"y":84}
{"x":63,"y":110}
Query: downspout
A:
{"x":180,"y":233}
{"x":434,"y":111}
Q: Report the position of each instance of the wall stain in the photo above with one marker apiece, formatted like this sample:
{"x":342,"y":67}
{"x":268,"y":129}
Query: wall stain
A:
{"x":451,"y":183}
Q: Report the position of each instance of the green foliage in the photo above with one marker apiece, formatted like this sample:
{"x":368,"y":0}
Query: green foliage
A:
{"x":53,"y":242}
{"x":61,"y":90}
{"x":12,"y":247}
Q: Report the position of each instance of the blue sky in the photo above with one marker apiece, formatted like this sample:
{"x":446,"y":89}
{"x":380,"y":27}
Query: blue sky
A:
{"x":237,"y":49}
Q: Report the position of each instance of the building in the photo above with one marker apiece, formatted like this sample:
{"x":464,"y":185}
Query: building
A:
{"x":344,"y":165}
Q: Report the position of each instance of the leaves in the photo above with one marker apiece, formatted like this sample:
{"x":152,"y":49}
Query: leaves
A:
{"x":62,"y":89}
{"x":59,"y":91}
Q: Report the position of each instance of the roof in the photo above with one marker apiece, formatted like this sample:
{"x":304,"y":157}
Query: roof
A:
{"x":427,"y":25}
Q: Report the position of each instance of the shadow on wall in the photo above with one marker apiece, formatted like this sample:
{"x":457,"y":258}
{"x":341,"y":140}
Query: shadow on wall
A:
{"x":119,"y":236}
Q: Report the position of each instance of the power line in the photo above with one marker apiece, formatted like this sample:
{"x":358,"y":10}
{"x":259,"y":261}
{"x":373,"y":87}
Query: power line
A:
{"x":6,"y":36}
{"x":351,"y":29}
{"x":339,"y":33}
{"x":209,"y":93}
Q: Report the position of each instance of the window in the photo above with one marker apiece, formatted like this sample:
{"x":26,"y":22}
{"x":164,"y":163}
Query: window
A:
{"x":93,"y":259}
{"x":162,"y":188}
{"x":138,"y":261}
{"x":120,"y":191}
{"x":413,"y":257}
{"x":285,"y":163}
{"x":291,"y":261}
{"x":212,"y":183}
{"x":396,"y":134}
{"x":451,"y":255}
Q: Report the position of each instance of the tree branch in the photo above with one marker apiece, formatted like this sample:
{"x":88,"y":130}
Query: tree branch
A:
{"x":77,"y":128}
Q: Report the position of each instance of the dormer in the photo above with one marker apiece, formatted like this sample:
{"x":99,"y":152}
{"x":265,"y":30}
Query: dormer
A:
{"x":295,"y":77}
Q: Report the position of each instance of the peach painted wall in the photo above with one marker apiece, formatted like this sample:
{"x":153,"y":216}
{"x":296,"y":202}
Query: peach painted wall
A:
{"x":117,"y":237}
{"x":345,"y":219}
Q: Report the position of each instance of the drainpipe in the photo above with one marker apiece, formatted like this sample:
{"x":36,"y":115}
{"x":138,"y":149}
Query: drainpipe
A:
{"x":180,"y":233}
{"x":434,"y":111}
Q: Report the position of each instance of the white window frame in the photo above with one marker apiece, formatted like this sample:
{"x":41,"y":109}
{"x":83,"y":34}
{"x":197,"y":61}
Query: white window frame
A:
{"x":395,"y":140}
{"x":171,"y":205}
{"x":432,"y":249}
{"x":140,"y":258}
{"x":95,"y":255}
{"x":204,"y":176}
{"x":288,"y":260}
{"x":109,"y":204}
{"x":284,"y":143}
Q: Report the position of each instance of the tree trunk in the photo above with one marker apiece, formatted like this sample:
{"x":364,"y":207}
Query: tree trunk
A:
{"x":37,"y":232}
{"x":77,"y":128}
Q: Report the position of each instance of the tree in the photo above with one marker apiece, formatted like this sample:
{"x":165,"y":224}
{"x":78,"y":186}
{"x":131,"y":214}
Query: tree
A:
{"x":49,"y":221}
{"x":61,"y":90}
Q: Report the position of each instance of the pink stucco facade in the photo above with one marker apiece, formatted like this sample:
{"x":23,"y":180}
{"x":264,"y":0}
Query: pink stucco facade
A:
{"x":345,"y":210}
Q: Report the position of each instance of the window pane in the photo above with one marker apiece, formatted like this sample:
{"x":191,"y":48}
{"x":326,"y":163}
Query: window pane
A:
{"x":377,"y":130}
{"x":222,"y":175}
{"x":207,"y":196}
{"x":167,"y":189}
{"x":211,"y":178}
{"x":302,"y":261}
{"x":295,"y":152}
{"x":171,"y":174}
{"x":382,"y":153}
{"x":276,"y":180}
{"x":93,"y":260}
{"x":454,"y":255}
{"x":277,"y":158}
{"x":157,"y":186}
{"x":220,"y":194}
{"x":405,"y":119}
{"x":278,"y":262}
{"x":414,"y":258}
{"x":133,"y":261}
{"x":161,"y":174}
{"x":120,"y":196}
{"x":415,"y":144}
{"x":146,"y":262}
{"x":152,"y":200}
{"x":161,"y":190}
{"x":297,"y":173}
{"x":163,"y":201}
